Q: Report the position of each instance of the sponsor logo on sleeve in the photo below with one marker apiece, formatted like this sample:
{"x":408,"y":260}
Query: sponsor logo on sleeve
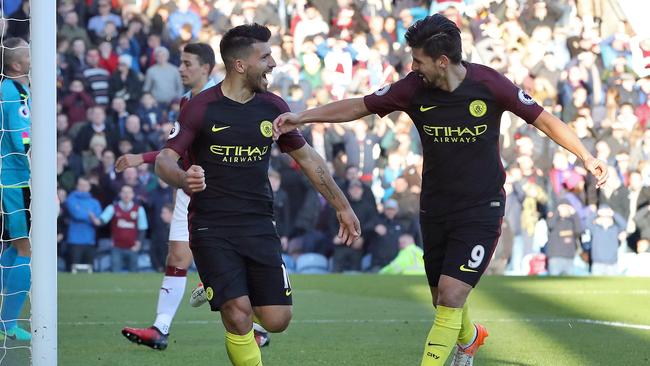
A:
{"x":23,"y":111}
{"x":382,"y":91}
{"x":176,"y":129}
{"x":525,"y":98}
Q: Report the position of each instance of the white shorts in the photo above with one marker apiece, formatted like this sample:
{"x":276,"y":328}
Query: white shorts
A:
{"x":178,"y":230}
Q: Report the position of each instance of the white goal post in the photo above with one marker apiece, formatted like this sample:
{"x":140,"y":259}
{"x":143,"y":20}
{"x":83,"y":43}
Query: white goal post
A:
{"x":43,"y":172}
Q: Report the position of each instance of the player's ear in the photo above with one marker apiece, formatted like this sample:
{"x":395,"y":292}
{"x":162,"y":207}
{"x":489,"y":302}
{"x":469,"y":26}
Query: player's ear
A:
{"x":240,"y":66}
{"x":443,"y":61}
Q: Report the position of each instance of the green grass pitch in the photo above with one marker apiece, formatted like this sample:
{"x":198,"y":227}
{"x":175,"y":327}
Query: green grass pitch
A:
{"x":368,"y":320}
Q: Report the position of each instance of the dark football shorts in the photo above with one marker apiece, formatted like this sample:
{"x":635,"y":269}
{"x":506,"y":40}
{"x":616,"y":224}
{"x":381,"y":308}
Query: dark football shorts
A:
{"x":16,"y":217}
{"x":459,"y":248}
{"x":242,"y":266}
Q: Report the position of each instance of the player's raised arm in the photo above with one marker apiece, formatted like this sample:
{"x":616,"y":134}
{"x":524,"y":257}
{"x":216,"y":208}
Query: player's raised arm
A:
{"x":316,"y":170}
{"x":559,"y":132}
{"x":341,"y":111}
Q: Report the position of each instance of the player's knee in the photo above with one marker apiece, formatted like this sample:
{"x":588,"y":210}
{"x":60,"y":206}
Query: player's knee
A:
{"x":278,"y":323}
{"x":237,"y":317}
{"x":451,"y":297}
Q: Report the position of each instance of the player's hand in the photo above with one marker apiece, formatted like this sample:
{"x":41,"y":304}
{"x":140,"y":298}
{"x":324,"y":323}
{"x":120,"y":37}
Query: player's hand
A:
{"x":284,"y":123}
{"x":599,"y":169}
{"x":128,"y":161}
{"x":194,"y":180}
{"x":349,"y":229}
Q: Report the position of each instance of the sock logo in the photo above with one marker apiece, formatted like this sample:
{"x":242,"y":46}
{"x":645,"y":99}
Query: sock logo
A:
{"x":435,"y":356}
{"x":435,"y":344}
{"x":167,"y":290}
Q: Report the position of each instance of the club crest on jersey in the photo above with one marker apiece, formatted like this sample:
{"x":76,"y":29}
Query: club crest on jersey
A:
{"x":266,"y":127}
{"x":477,"y":108}
{"x":382,"y":91}
{"x":23,"y":111}
{"x":176,"y":129}
{"x":134,"y":215}
{"x":525,"y":98}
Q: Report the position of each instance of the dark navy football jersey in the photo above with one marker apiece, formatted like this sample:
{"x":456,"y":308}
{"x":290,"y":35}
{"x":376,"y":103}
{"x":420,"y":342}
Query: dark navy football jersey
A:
{"x":232,"y":142}
{"x":462,"y":174}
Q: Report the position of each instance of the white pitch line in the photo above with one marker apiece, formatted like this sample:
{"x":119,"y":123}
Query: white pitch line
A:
{"x":388,"y":321}
{"x":309,"y":291}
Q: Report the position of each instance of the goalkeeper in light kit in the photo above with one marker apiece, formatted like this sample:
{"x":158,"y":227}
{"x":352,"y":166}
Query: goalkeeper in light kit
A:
{"x":456,"y":107}
{"x":14,"y":186}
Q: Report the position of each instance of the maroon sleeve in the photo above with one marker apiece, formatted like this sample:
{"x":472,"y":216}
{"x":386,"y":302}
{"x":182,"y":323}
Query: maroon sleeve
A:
{"x":289,"y":141}
{"x":394,"y":97}
{"x":509,"y":96}
{"x":150,"y":157}
{"x":187,"y":127}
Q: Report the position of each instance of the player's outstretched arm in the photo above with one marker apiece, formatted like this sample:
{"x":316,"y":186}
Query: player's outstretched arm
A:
{"x":316,"y":170}
{"x":128,"y":161}
{"x":135,"y":160}
{"x":336,"y":112}
{"x":559,"y":132}
{"x":191,"y":181}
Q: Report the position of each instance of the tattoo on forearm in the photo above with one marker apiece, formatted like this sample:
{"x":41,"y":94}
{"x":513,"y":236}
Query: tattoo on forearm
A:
{"x":327,"y":189}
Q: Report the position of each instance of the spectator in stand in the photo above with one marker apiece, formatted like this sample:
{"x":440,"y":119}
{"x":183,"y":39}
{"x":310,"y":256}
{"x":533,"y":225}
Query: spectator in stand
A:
{"x":97,"y":24}
{"x":126,"y":83}
{"x":76,"y":103}
{"x":161,"y":218}
{"x":81,"y":208}
{"x":75,"y":58}
{"x":183,"y":15}
{"x":74,"y":160}
{"x":409,"y":260}
{"x":96,"y":78}
{"x":91,"y":158}
{"x":605,"y":232}
{"x":71,"y":29}
{"x":383,"y":246}
{"x":97,"y":126}
{"x":280,"y":208}
{"x":107,"y":57}
{"x":149,"y":111}
{"x":349,"y":258}
{"x":564,"y":232}
{"x":128,"y":228}
{"x":162,"y":79}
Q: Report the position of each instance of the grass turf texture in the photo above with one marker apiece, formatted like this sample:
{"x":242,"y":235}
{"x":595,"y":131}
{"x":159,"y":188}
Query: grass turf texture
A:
{"x":368,"y":320}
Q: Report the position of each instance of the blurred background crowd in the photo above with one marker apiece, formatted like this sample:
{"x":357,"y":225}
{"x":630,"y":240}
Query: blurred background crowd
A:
{"x":587,"y":61}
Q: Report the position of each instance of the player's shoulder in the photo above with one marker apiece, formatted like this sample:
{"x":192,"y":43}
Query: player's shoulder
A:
{"x":275,"y":101}
{"x":209,"y":95}
{"x":484,"y":74}
{"x":9,"y":90}
{"x":412,"y":81}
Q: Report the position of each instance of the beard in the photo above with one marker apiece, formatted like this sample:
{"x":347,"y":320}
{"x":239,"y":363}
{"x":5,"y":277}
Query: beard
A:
{"x":257,"y":82}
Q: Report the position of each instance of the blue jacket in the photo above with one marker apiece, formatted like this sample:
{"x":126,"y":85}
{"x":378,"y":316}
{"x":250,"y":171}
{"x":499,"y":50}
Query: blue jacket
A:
{"x":81,"y":230}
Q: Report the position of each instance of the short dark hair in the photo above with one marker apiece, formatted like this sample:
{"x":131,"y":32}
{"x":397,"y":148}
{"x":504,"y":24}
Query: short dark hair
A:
{"x":237,"y":42}
{"x":437,"y":36}
{"x":13,"y":47}
{"x":203,"y":51}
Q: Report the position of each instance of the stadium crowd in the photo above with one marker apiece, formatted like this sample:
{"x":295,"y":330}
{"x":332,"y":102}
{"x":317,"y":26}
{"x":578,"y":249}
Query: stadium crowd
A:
{"x":119,"y":88}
